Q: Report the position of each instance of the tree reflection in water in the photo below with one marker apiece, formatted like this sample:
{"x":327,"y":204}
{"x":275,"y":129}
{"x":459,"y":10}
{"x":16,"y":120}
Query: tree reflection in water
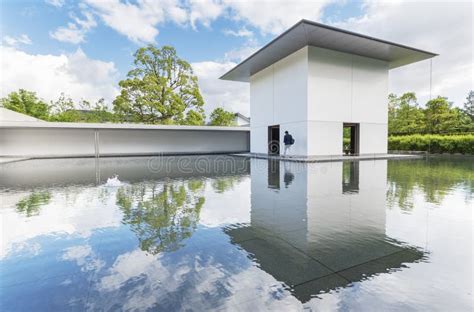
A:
{"x":162,"y":214}
{"x":31,"y":205}
{"x":434,"y":177}
{"x":223,"y":184}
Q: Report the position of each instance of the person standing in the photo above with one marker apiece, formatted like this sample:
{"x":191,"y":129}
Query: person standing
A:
{"x":288,"y":141}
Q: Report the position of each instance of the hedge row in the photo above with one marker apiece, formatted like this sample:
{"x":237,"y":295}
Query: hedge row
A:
{"x":433,"y":143}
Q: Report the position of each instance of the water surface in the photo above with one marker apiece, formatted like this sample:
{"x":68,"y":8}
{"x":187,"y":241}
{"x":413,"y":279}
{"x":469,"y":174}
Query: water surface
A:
{"x":237,"y":234}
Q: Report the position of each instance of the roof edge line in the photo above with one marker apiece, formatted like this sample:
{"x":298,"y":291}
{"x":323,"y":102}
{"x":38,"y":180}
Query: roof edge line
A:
{"x":305,"y":21}
{"x":269,"y":43}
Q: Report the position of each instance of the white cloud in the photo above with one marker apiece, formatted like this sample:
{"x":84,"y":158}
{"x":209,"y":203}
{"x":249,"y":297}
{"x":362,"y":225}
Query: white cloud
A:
{"x":275,"y":16}
{"x":74,"y":74}
{"x":243,"y":32}
{"x":240,"y":54}
{"x":441,"y":27}
{"x":231,"y":95}
{"x":15,"y":41}
{"x":204,"y":11}
{"x":56,"y":3}
{"x":75,"y":31}
{"x":138,"y":20}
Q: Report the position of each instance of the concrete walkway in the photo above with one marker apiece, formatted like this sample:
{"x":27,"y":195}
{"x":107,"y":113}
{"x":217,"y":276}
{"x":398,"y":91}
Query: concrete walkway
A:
{"x":312,"y":159}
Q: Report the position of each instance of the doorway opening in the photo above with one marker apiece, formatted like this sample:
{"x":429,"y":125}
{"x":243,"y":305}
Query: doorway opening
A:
{"x":274,"y":140}
{"x":350,"y":141}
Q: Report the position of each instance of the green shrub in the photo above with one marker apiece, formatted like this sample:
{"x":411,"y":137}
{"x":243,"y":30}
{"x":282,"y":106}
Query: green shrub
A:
{"x":433,"y":143}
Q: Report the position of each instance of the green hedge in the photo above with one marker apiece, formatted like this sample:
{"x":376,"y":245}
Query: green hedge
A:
{"x":433,"y":143}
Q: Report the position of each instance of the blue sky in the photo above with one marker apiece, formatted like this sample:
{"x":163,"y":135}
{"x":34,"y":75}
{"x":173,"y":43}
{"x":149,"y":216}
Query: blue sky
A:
{"x":83,"y":48}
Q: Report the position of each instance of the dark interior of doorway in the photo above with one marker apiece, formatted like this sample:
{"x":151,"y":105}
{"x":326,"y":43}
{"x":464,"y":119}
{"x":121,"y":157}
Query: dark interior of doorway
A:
{"x":274,"y":140}
{"x":351,"y":139}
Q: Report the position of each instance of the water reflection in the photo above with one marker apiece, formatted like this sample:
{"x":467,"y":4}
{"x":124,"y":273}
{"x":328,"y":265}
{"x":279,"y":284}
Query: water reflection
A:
{"x":256,"y":235}
{"x":312,"y":238}
{"x":161,"y":216}
{"x":350,"y":177}
{"x":31,"y":204}
{"x":434,"y":177}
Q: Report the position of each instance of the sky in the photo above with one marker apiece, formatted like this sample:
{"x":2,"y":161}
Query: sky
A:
{"x":83,"y":48}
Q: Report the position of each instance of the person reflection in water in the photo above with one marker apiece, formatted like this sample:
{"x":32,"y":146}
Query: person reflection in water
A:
{"x":289,"y":176}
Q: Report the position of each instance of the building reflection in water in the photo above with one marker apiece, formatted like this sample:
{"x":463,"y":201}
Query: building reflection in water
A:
{"x":350,"y":177}
{"x":313,"y":237}
{"x":157,"y":240}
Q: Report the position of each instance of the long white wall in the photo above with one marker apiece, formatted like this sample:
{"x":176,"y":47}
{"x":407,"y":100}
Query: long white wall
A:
{"x":69,"y":140}
{"x":278,"y":96}
{"x":346,"y":88}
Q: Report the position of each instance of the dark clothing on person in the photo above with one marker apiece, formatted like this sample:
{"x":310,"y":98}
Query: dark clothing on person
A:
{"x":288,"y":139}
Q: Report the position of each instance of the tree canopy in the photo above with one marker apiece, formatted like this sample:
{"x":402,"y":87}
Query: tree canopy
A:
{"x":26,"y":102}
{"x":405,"y":116}
{"x":161,"y":89}
{"x":221,"y":117}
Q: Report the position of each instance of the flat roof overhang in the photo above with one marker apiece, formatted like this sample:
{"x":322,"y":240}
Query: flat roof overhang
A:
{"x":308,"y":33}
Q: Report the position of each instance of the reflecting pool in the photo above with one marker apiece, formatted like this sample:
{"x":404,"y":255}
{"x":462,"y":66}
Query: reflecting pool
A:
{"x":230,"y":233}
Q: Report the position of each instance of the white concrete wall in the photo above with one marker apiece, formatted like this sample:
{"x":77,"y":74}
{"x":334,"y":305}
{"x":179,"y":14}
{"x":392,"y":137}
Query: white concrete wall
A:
{"x":346,"y":88}
{"x":312,"y":92}
{"x":77,"y":142}
{"x":278,"y":95}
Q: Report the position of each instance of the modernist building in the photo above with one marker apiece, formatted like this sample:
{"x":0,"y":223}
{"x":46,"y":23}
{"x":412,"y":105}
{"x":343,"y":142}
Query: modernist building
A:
{"x":313,"y":80}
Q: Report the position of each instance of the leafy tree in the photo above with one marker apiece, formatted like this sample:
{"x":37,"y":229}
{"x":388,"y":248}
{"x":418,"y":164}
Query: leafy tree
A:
{"x":221,"y":117}
{"x":65,"y":110}
{"x":161,"y":89}
{"x":195,"y":118}
{"x":469,"y":105}
{"x":405,"y":116}
{"x":440,"y":117}
{"x":26,"y":102}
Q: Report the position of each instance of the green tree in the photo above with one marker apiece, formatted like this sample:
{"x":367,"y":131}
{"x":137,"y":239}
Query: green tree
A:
{"x":65,"y":110}
{"x":404,"y":114}
{"x":161,"y":89}
{"x":26,"y":102}
{"x":440,"y":117}
{"x":195,"y":118}
{"x":221,"y":117}
{"x":469,"y":105}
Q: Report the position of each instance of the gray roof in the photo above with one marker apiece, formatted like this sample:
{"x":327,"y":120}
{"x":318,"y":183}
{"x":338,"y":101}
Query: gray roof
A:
{"x":310,"y":33}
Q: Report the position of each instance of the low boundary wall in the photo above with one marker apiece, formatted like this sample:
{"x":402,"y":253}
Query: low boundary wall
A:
{"x":48,"y":140}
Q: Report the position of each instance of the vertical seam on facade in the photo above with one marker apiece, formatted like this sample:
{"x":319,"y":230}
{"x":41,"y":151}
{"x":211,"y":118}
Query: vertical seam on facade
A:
{"x":352,"y":85}
{"x":273,"y":94}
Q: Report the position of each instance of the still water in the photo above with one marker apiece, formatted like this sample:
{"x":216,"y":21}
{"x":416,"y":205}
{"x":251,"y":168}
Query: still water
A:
{"x":237,"y":234}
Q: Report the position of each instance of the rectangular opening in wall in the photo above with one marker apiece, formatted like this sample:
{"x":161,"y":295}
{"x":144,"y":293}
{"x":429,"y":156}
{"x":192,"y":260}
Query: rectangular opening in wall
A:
{"x":274,"y":140}
{"x":350,"y":141}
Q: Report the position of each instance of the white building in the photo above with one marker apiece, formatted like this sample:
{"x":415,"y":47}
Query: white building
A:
{"x":313,"y":80}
